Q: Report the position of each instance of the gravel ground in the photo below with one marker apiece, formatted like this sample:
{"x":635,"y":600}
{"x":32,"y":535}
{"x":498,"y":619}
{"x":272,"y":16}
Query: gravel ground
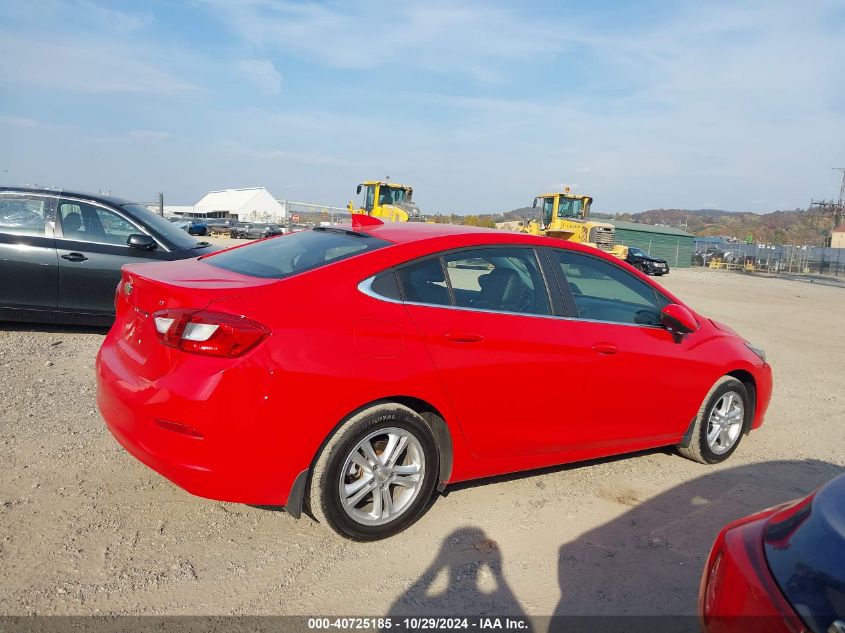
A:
{"x":85,"y":528}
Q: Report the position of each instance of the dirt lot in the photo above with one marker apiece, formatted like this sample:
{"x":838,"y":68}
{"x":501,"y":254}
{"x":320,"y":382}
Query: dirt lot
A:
{"x":85,"y":528}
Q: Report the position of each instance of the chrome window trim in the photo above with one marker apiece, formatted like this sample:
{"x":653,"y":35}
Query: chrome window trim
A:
{"x":114,"y":210}
{"x":365,"y":287}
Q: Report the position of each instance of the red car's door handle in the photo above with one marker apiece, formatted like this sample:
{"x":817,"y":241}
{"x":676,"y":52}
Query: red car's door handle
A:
{"x":464,"y":337}
{"x":605,"y":348}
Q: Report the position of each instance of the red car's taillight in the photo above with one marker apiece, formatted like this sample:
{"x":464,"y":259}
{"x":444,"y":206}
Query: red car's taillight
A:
{"x":738,"y":593}
{"x":207,"y":332}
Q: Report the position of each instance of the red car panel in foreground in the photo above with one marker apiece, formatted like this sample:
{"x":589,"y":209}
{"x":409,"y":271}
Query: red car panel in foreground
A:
{"x":781,"y":570}
{"x":354,"y":369}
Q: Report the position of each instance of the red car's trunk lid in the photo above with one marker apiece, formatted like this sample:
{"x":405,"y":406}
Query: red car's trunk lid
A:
{"x":148,"y":288}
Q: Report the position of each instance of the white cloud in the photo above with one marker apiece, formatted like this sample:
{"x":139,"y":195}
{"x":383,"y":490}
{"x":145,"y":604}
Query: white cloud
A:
{"x":88,"y":66}
{"x":263,"y":74}
{"x":90,"y":12}
{"x":303,"y":158}
{"x":18,"y":121}
{"x":111,"y":18}
{"x":149,"y":135}
{"x":436,"y":36}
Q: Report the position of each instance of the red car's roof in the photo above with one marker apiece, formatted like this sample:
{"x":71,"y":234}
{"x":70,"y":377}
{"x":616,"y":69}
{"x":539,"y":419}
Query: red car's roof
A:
{"x":403,"y":232}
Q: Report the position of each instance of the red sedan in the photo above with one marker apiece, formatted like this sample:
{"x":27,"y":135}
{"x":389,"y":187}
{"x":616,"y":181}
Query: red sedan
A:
{"x":355,"y":369}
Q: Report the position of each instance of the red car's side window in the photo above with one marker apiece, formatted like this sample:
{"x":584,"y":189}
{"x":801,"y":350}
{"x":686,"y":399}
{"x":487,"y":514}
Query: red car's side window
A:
{"x":502,"y":279}
{"x":604,"y":292}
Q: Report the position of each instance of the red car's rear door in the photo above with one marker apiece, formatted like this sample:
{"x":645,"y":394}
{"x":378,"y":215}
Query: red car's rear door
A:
{"x":505,"y":360}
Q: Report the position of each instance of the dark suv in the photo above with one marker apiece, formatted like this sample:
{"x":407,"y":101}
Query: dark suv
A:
{"x":61,"y":252}
{"x":641,"y":260}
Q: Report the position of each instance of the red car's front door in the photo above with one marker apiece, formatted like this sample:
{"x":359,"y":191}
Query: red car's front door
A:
{"x":652,"y":383}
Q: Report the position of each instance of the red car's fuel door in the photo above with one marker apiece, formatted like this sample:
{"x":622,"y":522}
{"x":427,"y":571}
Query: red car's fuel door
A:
{"x":502,"y":355}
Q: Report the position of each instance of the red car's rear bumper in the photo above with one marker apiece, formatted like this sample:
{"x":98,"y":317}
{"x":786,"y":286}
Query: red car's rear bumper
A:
{"x":210,"y":438}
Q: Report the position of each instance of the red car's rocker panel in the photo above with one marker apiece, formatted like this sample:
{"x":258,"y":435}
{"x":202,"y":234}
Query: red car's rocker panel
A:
{"x":234,"y":380}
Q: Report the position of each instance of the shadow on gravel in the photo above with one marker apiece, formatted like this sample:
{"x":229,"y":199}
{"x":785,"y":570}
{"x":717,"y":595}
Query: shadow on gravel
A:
{"x":649,"y":561}
{"x":526,"y":474}
{"x":464,"y":579}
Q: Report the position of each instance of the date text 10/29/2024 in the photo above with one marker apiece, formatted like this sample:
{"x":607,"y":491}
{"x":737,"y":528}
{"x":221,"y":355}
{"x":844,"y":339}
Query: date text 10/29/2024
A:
{"x":420,"y":624}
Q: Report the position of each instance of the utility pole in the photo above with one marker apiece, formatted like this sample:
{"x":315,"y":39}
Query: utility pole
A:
{"x":833,"y":209}
{"x":837,"y":213}
{"x":161,"y":204}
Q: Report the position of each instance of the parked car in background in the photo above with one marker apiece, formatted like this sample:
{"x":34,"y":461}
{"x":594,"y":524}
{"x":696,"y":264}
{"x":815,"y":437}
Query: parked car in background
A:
{"x":61,"y":252}
{"x":780,"y":570}
{"x":254,"y":231}
{"x":179,"y":221}
{"x":221,"y":224}
{"x":197,"y":227}
{"x":644,"y":262}
{"x":366,"y":362}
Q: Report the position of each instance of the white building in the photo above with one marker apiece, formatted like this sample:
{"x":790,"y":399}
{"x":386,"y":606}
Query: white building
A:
{"x":253,"y":204}
{"x":171,"y":210}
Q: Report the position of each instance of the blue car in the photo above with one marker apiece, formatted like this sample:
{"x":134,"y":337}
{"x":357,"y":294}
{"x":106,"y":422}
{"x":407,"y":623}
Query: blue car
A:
{"x":197,"y":228}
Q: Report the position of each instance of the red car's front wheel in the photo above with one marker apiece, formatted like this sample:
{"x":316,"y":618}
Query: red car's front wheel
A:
{"x":721,"y":421}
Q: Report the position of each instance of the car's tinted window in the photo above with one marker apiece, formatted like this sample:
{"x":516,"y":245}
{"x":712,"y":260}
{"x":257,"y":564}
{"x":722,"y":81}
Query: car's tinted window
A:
{"x":168,"y":230}
{"x":502,"y":279}
{"x":424,"y":282}
{"x":82,"y":221}
{"x":22,"y":214}
{"x":295,"y":253}
{"x":605,"y":292}
{"x":386,"y":285}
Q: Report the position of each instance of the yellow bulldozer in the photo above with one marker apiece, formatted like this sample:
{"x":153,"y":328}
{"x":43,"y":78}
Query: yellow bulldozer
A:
{"x":565,"y":215}
{"x":389,"y":201}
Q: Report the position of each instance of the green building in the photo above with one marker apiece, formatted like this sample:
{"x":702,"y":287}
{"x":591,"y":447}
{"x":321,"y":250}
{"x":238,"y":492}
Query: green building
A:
{"x":665,"y":242}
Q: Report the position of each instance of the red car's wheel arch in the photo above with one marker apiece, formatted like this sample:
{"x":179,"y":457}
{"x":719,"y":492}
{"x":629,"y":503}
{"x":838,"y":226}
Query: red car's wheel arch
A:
{"x":448,"y":439}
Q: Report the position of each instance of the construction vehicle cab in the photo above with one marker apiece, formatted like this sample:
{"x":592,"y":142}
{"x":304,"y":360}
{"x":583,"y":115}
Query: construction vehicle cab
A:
{"x":565,"y":215}
{"x":389,"y":201}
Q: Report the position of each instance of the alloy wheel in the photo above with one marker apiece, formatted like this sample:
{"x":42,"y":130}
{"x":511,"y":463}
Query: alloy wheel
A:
{"x":724,"y":424}
{"x":382,"y":476}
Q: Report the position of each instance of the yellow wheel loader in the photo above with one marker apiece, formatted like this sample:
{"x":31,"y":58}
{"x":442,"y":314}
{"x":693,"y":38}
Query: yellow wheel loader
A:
{"x":565,"y":215}
{"x":389,"y":201}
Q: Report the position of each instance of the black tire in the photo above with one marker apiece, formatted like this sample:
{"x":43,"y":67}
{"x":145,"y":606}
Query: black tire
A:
{"x":698,"y":448}
{"x":324,"y":496}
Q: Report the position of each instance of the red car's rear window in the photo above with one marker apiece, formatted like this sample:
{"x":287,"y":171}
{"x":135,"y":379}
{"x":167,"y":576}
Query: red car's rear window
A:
{"x":287,"y":255}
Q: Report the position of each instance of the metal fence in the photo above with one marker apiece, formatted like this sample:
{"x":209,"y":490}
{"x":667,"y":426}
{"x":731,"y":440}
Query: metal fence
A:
{"x":789,"y":258}
{"x":307,"y":213}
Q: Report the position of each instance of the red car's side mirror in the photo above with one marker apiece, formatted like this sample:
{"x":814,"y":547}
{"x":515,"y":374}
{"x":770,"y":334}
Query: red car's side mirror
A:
{"x":678,"y":319}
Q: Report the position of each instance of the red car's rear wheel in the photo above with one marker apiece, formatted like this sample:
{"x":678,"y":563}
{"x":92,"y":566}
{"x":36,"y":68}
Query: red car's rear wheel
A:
{"x":376,"y":474}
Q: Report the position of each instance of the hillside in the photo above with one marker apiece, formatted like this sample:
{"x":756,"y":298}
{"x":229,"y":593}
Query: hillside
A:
{"x":778,"y":227}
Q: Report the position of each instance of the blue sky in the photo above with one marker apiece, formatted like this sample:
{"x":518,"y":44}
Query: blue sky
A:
{"x":478,"y":105}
